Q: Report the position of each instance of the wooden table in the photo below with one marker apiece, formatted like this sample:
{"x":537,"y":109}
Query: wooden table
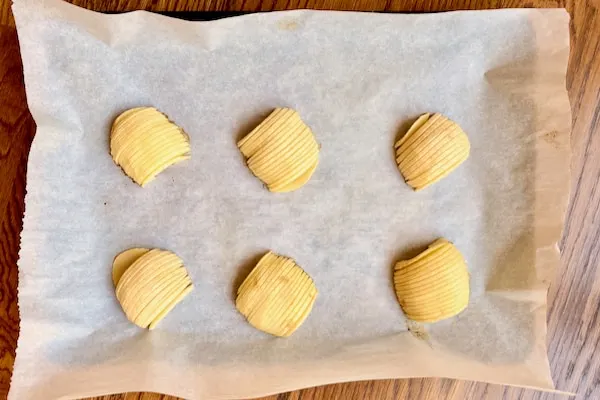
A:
{"x":574,"y":311}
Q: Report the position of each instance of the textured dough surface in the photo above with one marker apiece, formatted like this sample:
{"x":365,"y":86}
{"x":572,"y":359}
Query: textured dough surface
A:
{"x":143,"y":142}
{"x":433,"y":147}
{"x":433,"y":285}
{"x":151,"y":285}
{"x":281,"y":151}
{"x":124,"y":260}
{"x":277,"y":295}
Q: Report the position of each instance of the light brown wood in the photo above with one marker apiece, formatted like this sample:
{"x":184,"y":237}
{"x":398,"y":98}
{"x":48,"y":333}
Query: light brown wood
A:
{"x":574,"y":312}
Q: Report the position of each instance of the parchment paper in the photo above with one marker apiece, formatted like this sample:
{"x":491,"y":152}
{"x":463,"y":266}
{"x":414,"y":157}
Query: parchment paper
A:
{"x":357,"y":79}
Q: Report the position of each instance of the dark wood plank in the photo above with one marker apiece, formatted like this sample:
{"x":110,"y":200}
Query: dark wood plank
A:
{"x":16,"y":132}
{"x":271,"y":5}
{"x":573,"y":322}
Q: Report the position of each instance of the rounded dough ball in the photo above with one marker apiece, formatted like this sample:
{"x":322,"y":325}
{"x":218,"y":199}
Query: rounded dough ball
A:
{"x":277,"y":295}
{"x":433,"y":285}
{"x":149,"y":283}
{"x":433,"y":147}
{"x":281,"y":151}
{"x":143,"y":142}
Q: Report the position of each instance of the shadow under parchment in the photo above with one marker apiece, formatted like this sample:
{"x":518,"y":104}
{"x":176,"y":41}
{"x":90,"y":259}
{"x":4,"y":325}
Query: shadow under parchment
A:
{"x":487,"y":329}
{"x":488,"y":337}
{"x":166,"y":346}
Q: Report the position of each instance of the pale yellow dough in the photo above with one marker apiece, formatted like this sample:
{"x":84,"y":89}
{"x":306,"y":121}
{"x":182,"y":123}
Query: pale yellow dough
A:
{"x":433,"y":147}
{"x":433,"y":285}
{"x":149,"y":283}
{"x":277,"y":295}
{"x":143,"y":142}
{"x":124,"y":260}
{"x":281,"y":151}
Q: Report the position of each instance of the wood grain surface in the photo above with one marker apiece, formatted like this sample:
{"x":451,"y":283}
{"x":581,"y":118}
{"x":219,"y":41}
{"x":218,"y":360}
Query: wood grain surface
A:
{"x":574,"y":297}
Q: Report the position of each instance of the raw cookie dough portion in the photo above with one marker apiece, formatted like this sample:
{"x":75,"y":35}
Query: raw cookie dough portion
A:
{"x":151,"y":285}
{"x":277,"y":295}
{"x":124,"y":260}
{"x":433,"y":285}
{"x":433,"y":147}
{"x":281,"y":151}
{"x":144,"y":143}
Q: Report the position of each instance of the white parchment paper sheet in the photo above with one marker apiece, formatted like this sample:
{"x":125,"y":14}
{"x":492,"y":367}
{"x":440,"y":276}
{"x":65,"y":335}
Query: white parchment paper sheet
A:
{"x":356,"y":79}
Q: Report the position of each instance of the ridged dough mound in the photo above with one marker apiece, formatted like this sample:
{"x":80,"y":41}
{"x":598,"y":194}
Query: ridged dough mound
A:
{"x":433,"y":147}
{"x":281,"y":151}
{"x":143,"y":142}
{"x":277,"y":295}
{"x":124,"y":260}
{"x":149,"y":284}
{"x":433,"y":285}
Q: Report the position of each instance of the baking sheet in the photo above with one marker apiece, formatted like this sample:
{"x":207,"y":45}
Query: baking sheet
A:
{"x":357,"y":80}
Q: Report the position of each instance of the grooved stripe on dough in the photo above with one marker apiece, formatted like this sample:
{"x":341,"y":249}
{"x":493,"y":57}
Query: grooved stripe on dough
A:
{"x":433,"y":150}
